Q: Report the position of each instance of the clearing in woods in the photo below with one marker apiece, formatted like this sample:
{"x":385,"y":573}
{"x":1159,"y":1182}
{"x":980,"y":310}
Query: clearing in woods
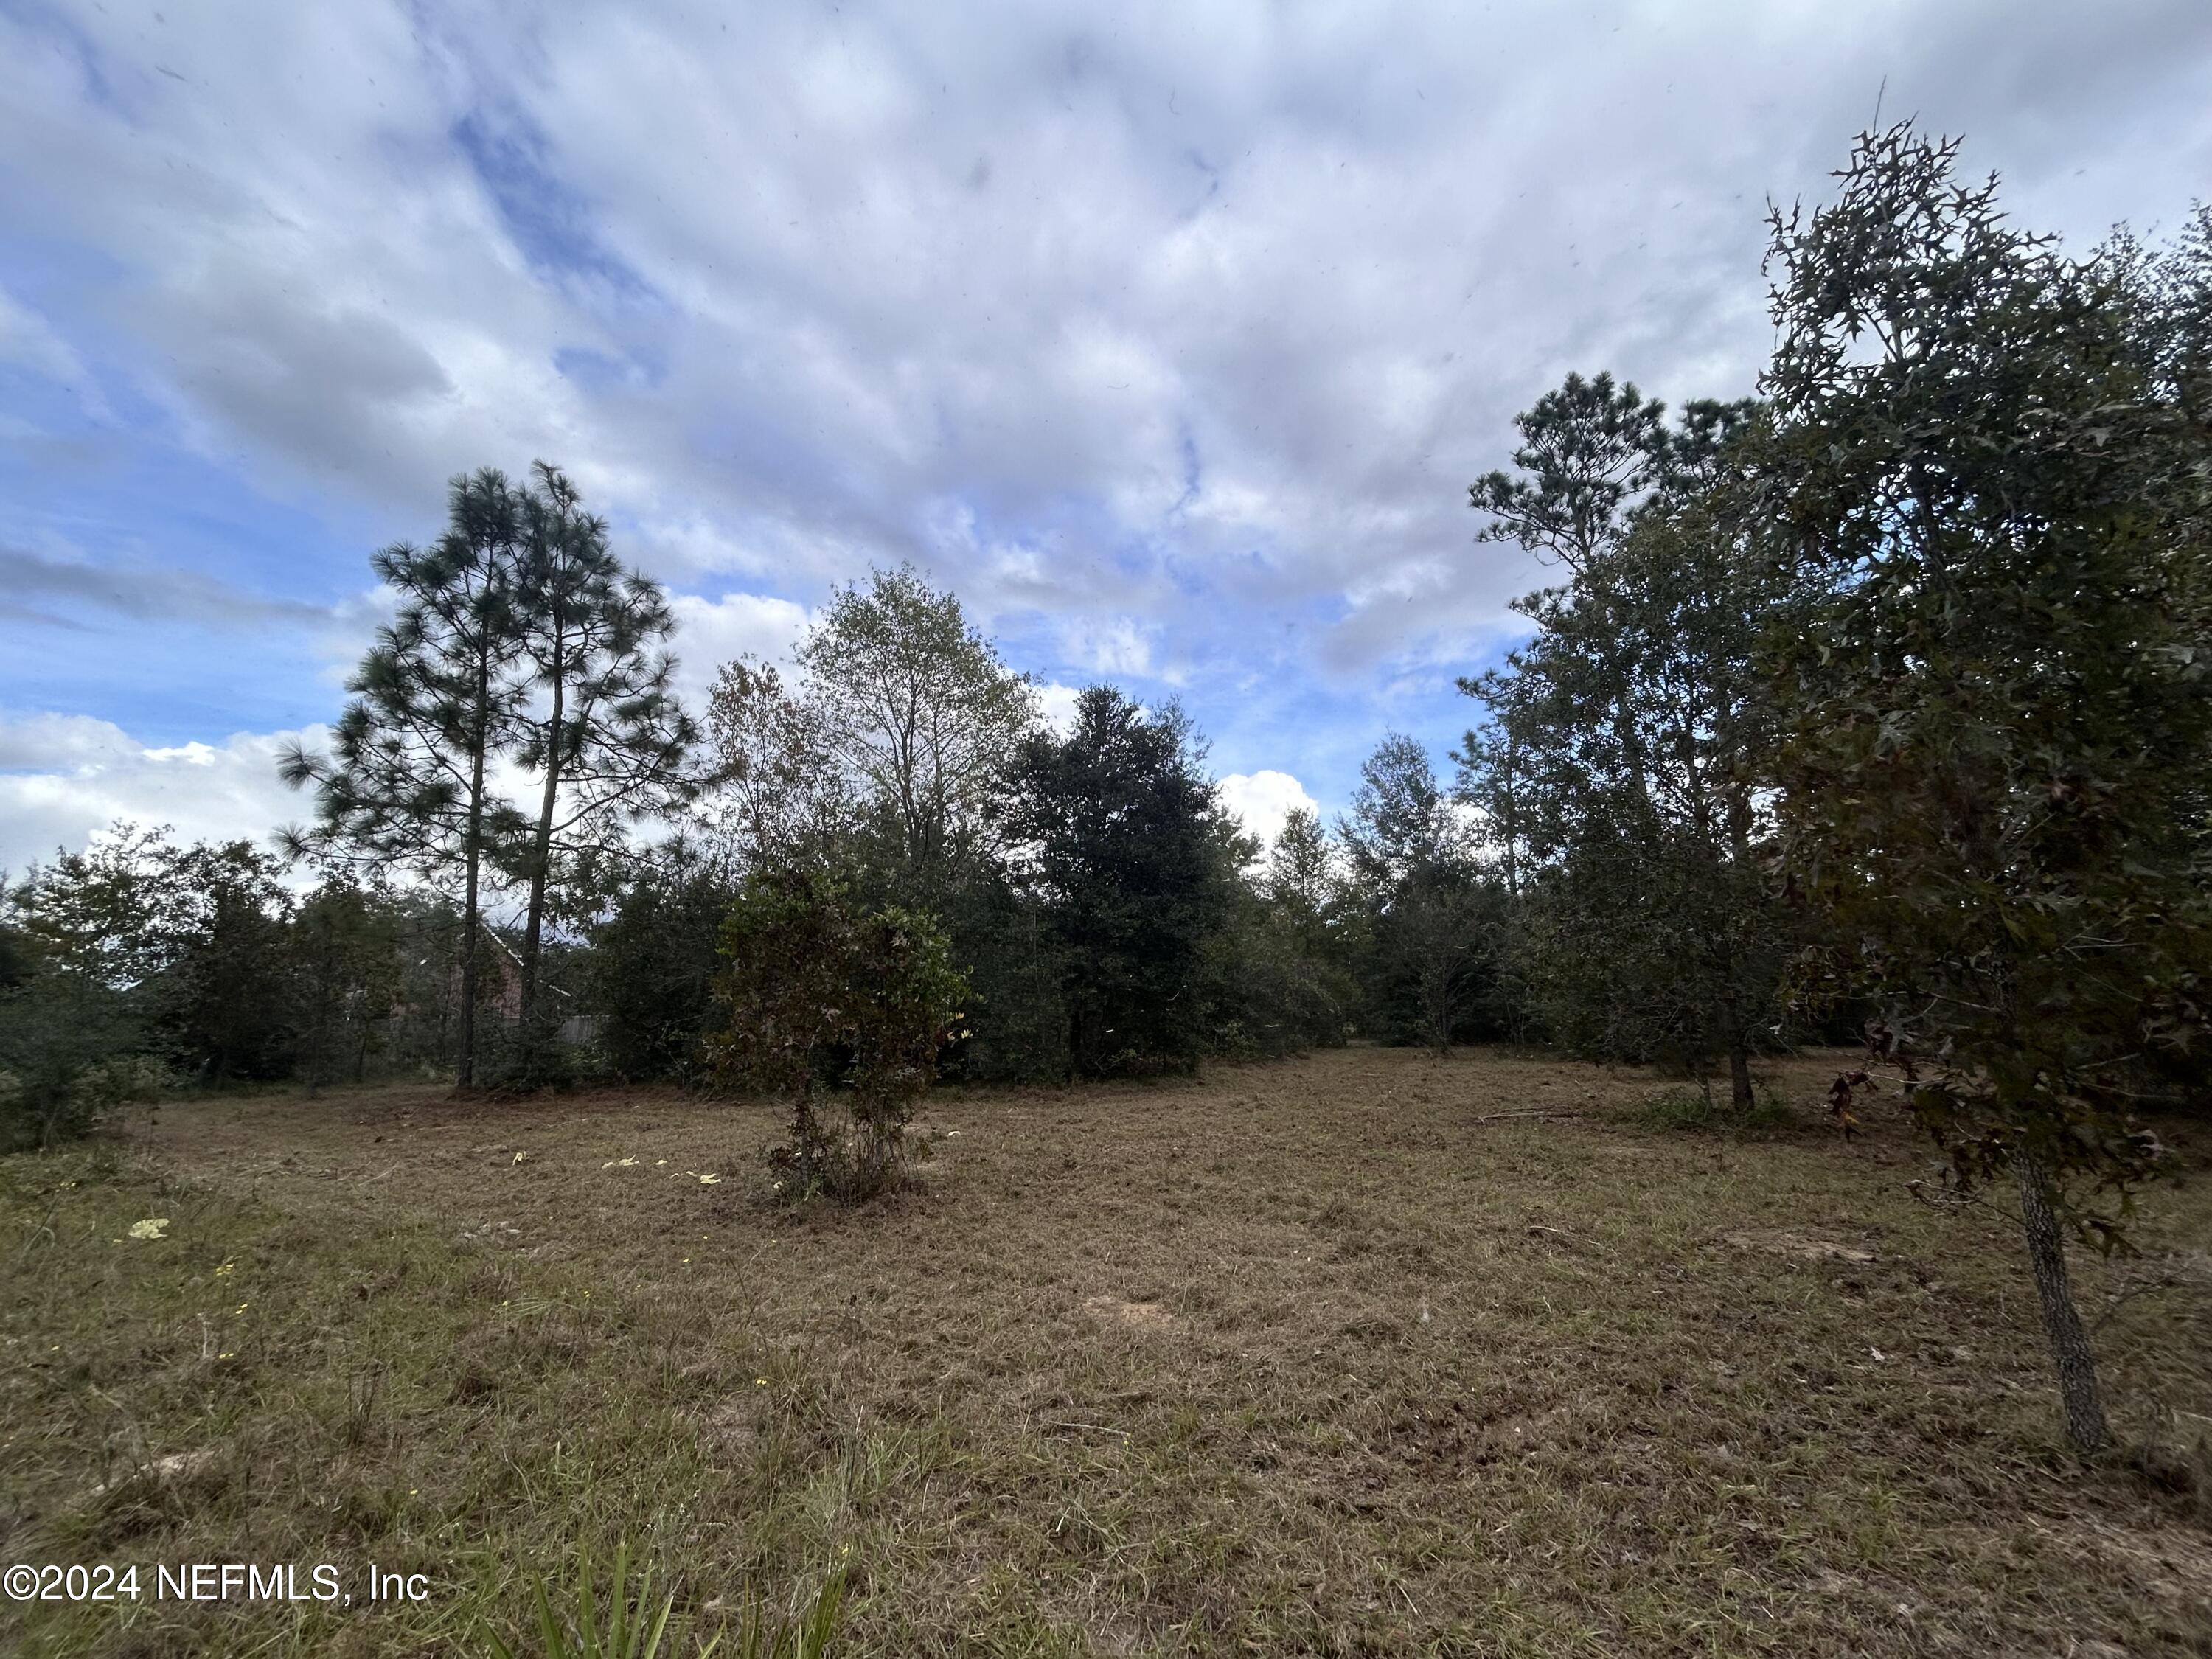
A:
{"x":1343,"y":1355}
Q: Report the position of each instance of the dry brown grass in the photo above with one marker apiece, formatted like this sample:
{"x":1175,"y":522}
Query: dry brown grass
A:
{"x":1320,"y":1358}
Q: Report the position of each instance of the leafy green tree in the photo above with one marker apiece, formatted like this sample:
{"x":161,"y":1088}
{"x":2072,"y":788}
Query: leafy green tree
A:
{"x":425,"y":1038}
{"x":1493,"y":777}
{"x":818,"y":990}
{"x":224,"y":998}
{"x":1401,"y":823}
{"x":1621,"y":773}
{"x":918,"y":708}
{"x":1431,"y":918}
{"x":1589,"y":452}
{"x":880,"y":763}
{"x":1269,"y":984}
{"x":653,"y":958}
{"x":774,"y":790}
{"x":1302,"y":878}
{"x":1117,"y":834}
{"x":84,"y":946}
{"x":193,"y":939}
{"x":601,"y":729}
{"x":17,"y":960}
{"x":346,"y":953}
{"x":1990,"y":464}
{"x":101,"y":911}
{"x":67,"y":1039}
{"x":437,"y":703}
{"x":1308,"y":931}
{"x":1006,"y":942}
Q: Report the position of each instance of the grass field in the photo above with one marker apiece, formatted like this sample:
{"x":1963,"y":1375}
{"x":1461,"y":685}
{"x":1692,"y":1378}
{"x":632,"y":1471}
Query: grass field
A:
{"x":1365,"y":1353}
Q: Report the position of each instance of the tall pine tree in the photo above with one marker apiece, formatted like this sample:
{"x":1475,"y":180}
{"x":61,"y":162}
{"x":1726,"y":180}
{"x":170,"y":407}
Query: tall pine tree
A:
{"x":601,"y":729}
{"x":437,"y":701}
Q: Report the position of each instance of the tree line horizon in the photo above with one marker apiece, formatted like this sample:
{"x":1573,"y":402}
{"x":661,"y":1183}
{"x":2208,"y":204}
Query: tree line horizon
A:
{"x":1870,"y":706}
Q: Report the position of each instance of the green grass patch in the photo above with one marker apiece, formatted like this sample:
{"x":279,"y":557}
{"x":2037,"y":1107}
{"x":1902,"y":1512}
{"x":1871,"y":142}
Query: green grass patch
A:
{"x":1695,"y":1111}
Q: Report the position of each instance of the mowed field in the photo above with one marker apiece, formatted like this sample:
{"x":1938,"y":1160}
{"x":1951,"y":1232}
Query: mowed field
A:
{"x":1364,"y":1353}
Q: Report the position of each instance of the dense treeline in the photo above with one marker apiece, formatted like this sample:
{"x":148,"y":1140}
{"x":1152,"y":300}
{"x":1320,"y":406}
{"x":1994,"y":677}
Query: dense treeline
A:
{"x":139,"y":961}
{"x":1874,"y":701}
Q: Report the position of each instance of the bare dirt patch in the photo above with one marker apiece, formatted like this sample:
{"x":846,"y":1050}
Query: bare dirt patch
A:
{"x":1143,"y":1316}
{"x":1800,"y":1246}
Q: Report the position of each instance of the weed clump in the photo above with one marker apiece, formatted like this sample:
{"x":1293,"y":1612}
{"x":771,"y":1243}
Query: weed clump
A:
{"x":630,"y":1623}
{"x":1697,"y":1111}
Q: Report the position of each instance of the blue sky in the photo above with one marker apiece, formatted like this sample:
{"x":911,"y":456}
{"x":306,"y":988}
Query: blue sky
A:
{"x":1168,"y":335}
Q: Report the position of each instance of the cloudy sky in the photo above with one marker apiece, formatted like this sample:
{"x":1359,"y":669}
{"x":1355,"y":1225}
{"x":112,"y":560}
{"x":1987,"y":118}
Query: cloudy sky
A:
{"x":1168,"y":335}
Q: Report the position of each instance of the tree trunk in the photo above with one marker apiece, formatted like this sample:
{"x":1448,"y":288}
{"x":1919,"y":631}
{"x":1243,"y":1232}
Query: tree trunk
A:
{"x":1739,"y":832}
{"x":2070,"y":1343}
{"x":1512,"y":815}
{"x":541,"y":859}
{"x":1738,"y":1054}
{"x":324,"y":1002}
{"x":1436,"y":1005}
{"x":473,"y":857}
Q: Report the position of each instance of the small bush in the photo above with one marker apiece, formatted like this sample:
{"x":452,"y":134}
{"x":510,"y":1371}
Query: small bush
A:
{"x":71,"y":1050}
{"x":826,"y":1002}
{"x":73,"y":1105}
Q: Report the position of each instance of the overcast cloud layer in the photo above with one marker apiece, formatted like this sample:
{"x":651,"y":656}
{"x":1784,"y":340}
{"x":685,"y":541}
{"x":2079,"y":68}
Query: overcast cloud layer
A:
{"x":1169,"y":337}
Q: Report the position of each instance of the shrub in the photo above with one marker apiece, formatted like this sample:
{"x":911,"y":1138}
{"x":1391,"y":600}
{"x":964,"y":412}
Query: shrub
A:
{"x":822,"y":996}
{"x":70,"y":1051}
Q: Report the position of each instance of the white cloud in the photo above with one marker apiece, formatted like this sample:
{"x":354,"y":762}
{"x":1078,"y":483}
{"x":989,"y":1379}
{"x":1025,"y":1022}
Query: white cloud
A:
{"x":1058,"y":703}
{"x":1261,"y":801}
{"x":695,"y":545}
{"x":1118,"y":647}
{"x":62,"y":777}
{"x":48,"y":741}
{"x":1317,"y":262}
{"x":1154,"y":341}
{"x":710,"y":632}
